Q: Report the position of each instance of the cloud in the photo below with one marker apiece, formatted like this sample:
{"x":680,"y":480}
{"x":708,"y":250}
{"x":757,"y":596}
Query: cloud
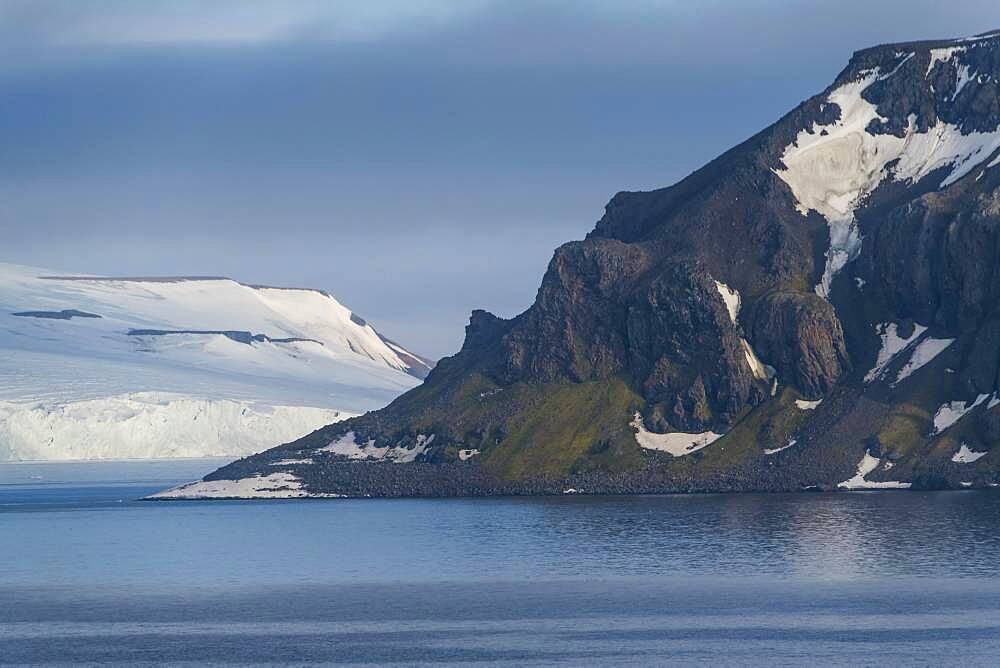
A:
{"x":527,"y":27}
{"x":221,"y":22}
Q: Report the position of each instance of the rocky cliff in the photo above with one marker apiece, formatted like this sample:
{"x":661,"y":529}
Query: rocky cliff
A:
{"x":817,"y":307}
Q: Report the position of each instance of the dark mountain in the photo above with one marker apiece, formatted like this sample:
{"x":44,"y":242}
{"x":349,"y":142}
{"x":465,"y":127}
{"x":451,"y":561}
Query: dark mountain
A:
{"x":847,"y":255}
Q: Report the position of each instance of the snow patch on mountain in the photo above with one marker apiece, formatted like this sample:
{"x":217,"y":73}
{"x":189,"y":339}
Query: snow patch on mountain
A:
{"x":923,"y":353}
{"x":942,"y":55}
{"x":966,"y":455}
{"x":868,"y":464}
{"x":759,"y":370}
{"x":675,"y":443}
{"x":953,"y":411}
{"x":941,"y":146}
{"x":965,"y":75}
{"x":773,"y":451}
{"x":830,"y":167}
{"x":892,"y":345}
{"x":731,"y":298}
{"x":348,"y":446}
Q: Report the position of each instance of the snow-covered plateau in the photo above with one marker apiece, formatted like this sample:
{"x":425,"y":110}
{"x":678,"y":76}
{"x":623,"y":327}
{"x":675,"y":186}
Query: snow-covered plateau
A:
{"x":120,"y":368}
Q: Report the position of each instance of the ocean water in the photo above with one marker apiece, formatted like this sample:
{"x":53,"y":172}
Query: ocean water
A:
{"x":91,"y":574}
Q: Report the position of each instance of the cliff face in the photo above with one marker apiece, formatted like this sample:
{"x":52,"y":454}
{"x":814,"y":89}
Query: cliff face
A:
{"x":817,"y":305}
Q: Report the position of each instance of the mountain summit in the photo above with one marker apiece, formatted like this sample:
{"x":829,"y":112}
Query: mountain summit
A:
{"x":817,"y":307}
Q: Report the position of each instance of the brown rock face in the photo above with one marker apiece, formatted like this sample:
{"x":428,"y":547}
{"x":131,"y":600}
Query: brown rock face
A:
{"x":574,"y":330}
{"x":605,"y":309}
{"x":799,"y":334}
{"x":685,"y":352}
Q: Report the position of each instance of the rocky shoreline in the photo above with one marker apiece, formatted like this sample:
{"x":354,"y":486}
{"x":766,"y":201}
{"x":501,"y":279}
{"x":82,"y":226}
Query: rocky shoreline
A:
{"x":358,"y":479}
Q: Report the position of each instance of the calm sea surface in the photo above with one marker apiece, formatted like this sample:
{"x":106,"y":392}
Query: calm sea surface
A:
{"x":90,"y":574}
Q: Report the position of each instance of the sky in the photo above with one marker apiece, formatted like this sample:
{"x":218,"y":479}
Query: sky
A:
{"x":416,"y":158}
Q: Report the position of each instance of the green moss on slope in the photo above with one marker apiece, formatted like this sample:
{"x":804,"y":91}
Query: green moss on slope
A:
{"x":767,"y":426}
{"x":567,"y":428}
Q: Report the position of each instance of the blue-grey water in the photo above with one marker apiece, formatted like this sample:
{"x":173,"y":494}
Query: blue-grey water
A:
{"x":90,"y":574}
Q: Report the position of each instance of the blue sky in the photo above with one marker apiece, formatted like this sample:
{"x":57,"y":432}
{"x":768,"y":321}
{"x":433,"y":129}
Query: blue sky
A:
{"x":418,"y":159}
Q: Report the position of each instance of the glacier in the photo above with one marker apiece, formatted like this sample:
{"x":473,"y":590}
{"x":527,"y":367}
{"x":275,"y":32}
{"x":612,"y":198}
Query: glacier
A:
{"x":146,"y":367}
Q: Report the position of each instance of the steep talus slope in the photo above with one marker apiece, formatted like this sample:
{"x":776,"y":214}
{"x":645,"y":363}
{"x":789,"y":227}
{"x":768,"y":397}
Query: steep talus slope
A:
{"x":817,"y":306}
{"x":140,"y":367}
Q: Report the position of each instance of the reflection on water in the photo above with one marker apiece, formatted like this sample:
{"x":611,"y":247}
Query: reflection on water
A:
{"x":71,"y":534}
{"x":92,"y":574}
